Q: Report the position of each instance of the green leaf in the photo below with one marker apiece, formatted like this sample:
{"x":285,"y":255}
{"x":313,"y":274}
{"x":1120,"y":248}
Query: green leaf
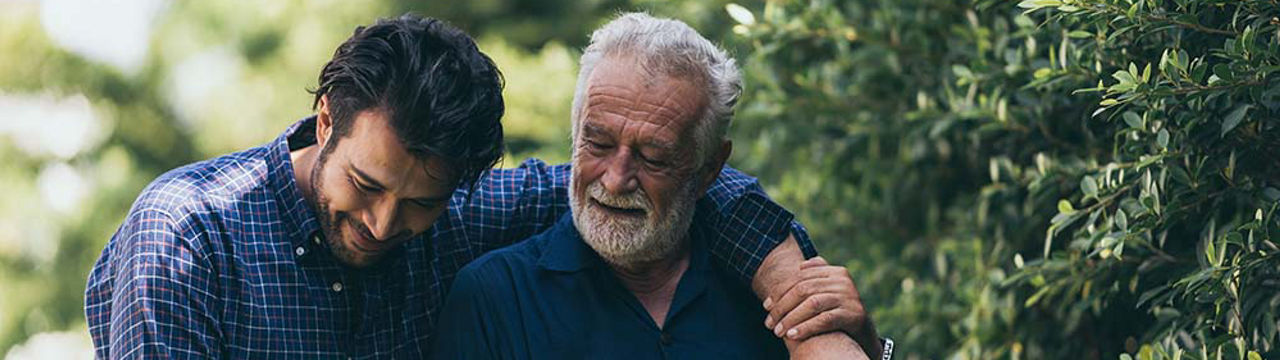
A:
{"x":1133,"y":120}
{"x":1079,"y":34}
{"x":1031,"y":301}
{"x":1162,"y":139}
{"x":1210,"y":253}
{"x":740,"y":14}
{"x":1233,"y":119}
{"x":1223,"y":72}
{"x":1065,"y":207}
{"x":1089,"y":186}
{"x":1108,"y":102}
{"x":1031,"y":5}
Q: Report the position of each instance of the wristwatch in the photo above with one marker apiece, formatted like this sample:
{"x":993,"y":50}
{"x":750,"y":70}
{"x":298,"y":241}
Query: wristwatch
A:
{"x":886,"y":348}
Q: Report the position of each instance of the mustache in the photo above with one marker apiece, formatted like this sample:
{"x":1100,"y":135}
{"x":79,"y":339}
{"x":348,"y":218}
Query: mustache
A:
{"x":364,"y":230}
{"x":633,"y":200}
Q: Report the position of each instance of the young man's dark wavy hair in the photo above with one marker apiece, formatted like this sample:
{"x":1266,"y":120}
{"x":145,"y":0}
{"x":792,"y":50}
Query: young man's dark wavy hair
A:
{"x":442,"y":96}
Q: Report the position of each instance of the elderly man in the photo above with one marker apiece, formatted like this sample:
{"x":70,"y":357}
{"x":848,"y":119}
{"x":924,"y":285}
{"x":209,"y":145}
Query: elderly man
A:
{"x":624,"y":275}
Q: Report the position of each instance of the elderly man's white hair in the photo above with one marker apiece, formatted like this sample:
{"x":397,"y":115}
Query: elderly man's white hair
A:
{"x":670,"y":48}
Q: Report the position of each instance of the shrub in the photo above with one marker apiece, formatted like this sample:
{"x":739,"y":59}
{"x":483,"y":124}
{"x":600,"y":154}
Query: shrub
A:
{"x":1045,"y":179}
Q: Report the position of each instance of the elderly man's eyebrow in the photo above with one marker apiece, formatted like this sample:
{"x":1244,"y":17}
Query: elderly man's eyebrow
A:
{"x":594,"y":130}
{"x":662,"y":145}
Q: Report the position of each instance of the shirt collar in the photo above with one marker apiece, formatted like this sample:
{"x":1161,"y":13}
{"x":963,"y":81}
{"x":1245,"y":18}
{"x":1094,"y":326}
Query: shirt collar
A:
{"x":564,"y":249}
{"x":299,"y":217}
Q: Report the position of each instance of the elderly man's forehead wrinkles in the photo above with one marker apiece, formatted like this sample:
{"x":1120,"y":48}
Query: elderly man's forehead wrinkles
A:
{"x":602,"y":132}
{"x":658,"y":112}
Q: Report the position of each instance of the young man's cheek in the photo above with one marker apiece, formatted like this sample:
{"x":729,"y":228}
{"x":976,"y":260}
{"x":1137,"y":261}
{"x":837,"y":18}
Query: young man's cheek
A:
{"x":342,"y":197}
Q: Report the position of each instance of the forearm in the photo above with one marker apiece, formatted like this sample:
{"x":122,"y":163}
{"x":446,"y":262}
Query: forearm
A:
{"x":777,"y":273}
{"x":832,"y":345}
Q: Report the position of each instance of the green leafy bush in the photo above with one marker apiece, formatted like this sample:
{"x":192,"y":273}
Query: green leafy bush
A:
{"x":1045,"y":179}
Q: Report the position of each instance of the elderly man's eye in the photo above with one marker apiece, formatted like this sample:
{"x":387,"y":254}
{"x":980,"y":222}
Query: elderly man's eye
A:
{"x":654,"y":161}
{"x":596,"y":145}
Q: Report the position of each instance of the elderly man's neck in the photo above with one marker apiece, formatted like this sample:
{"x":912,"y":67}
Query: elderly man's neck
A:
{"x":654,"y":282}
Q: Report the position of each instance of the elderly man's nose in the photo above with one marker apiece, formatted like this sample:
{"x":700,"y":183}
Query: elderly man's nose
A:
{"x":620,"y":174}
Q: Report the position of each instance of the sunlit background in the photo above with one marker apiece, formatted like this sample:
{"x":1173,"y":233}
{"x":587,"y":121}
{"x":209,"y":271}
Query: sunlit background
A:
{"x":1005,"y":179}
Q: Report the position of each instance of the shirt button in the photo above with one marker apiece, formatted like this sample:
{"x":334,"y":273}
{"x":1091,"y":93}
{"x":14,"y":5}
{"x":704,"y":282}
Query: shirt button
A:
{"x":337,"y":287}
{"x":300,"y":251}
{"x":666,"y":339}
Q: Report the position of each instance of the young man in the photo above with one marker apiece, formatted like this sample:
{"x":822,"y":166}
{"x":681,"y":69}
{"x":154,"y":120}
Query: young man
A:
{"x":340,"y":237}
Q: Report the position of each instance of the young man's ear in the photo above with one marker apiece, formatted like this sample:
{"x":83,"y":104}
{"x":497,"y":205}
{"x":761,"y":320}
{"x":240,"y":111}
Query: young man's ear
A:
{"x":719,"y":157}
{"x":324,"y":122}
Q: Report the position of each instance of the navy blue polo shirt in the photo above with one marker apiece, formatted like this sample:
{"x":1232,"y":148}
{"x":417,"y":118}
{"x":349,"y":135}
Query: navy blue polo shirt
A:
{"x":553,"y":297}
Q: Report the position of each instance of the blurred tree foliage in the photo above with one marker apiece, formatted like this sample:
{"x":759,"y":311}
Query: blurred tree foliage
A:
{"x":1045,"y":179}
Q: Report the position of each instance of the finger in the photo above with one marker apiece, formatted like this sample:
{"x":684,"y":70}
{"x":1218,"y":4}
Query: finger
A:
{"x":813,"y":262}
{"x":793,"y":297}
{"x":808,"y":309}
{"x":824,"y":272}
{"x":813,"y":268}
{"x":833,"y":272}
{"x":825,"y":322}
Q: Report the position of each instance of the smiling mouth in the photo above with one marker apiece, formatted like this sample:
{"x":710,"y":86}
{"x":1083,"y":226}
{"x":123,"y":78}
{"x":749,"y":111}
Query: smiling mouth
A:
{"x":364,"y":242}
{"x":619,"y":211}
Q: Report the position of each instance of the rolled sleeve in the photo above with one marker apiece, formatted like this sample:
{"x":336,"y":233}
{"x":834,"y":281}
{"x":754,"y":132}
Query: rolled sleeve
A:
{"x":745,"y":225}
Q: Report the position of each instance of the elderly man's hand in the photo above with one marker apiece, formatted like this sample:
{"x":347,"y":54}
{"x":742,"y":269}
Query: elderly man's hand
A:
{"x":824,"y":300}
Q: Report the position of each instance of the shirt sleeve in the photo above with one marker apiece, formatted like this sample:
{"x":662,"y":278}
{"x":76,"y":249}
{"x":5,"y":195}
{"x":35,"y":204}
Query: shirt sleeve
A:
{"x":506,"y":206}
{"x":744,"y":225}
{"x":510,"y":205}
{"x":161,"y":305}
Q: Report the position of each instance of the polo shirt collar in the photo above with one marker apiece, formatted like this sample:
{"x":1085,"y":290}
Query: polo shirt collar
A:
{"x":565,"y":250}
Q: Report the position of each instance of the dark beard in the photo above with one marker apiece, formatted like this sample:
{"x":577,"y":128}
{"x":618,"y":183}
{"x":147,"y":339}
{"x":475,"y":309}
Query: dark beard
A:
{"x":331,"y":233}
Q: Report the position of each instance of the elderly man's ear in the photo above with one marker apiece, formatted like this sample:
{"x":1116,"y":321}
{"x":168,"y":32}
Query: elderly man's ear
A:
{"x":716,"y":164}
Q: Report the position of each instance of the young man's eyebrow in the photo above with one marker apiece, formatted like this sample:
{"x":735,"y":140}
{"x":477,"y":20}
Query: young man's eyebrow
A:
{"x":366,"y":178}
{"x":374,"y":183}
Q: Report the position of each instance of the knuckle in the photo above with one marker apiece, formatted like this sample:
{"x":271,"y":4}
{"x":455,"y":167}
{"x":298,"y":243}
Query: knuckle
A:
{"x":827,"y":319}
{"x":816,"y":303}
{"x":806,"y":287}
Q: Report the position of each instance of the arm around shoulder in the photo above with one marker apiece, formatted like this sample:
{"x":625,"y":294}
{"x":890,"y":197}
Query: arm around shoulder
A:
{"x":162,"y":300}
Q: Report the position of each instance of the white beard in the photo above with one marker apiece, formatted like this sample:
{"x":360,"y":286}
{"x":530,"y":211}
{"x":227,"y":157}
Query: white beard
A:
{"x":627,"y":242}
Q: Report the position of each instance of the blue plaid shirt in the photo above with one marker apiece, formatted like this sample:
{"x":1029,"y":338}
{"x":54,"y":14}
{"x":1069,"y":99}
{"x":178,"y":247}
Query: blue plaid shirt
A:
{"x":222,"y":259}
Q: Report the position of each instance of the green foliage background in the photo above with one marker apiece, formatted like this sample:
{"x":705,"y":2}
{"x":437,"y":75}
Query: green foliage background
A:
{"x":1035,"y":179}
